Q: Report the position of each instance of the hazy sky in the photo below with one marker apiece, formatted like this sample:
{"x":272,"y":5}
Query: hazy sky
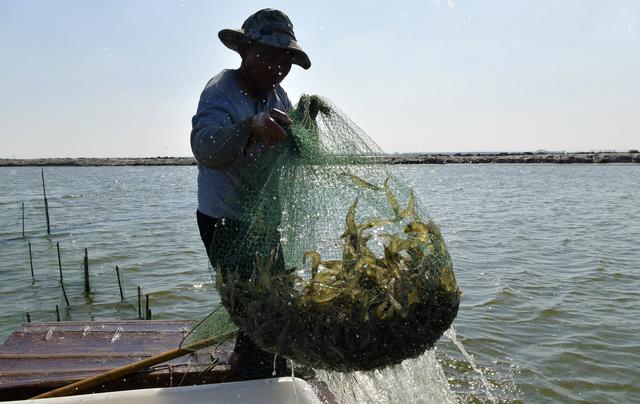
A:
{"x":122,"y":78}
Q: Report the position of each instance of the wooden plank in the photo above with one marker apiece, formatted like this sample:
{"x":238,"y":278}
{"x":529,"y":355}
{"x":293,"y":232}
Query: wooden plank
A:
{"x":95,"y":343}
{"x":44,"y":373}
{"x":109,"y":325}
{"x":20,"y":367}
{"x":40,"y":356}
{"x":17,"y":366}
{"x":95,"y":337}
{"x":28,"y":386}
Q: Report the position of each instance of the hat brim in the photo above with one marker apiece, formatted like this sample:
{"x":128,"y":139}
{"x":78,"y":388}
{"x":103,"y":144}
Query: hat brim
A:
{"x":231,"y":38}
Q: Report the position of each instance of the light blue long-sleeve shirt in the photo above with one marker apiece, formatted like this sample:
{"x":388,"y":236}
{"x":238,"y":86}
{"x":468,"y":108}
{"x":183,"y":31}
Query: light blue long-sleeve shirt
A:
{"x":219,"y":138}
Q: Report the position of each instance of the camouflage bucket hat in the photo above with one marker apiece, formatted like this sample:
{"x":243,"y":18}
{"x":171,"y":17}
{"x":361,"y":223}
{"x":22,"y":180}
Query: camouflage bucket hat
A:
{"x":269,"y":27}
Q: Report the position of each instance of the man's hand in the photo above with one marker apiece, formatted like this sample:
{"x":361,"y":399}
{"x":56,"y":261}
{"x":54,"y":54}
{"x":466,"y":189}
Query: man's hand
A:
{"x":265,"y":127}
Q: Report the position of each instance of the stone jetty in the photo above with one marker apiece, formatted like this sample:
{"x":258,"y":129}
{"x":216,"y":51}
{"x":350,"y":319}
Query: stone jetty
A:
{"x":417,"y":158}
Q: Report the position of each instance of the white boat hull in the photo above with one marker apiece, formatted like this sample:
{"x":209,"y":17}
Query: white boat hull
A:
{"x":280,"y":390}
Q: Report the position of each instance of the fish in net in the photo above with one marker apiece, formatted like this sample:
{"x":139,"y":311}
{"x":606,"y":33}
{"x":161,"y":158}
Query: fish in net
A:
{"x":333,"y":264}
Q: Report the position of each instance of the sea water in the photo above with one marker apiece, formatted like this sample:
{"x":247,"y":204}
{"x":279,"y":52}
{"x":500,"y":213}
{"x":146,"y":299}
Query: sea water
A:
{"x":548,"y":258}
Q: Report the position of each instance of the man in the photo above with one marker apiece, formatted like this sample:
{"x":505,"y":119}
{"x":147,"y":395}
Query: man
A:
{"x":239,"y":115}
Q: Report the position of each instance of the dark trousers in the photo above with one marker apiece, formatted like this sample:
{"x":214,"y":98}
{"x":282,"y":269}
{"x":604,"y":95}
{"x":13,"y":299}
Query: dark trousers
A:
{"x":221,"y":238}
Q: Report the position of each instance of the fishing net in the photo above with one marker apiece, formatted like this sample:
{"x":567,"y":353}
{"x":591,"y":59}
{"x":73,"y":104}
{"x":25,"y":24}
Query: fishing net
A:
{"x":333,"y":264}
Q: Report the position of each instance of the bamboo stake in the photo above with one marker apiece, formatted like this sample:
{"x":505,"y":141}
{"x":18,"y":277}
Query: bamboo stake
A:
{"x":28,"y":317}
{"x":119,"y":283}
{"x":31,"y":261}
{"x":59,"y":261}
{"x":126,"y":370}
{"x":46,"y":203}
{"x":87,"y":286}
{"x":22,"y":219}
{"x":139,"y":303}
{"x":147,"y":309}
{"x":64,"y":293}
{"x":57,"y":313}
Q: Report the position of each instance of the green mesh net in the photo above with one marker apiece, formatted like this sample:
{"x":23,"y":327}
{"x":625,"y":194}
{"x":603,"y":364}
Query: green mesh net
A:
{"x":333,"y":263}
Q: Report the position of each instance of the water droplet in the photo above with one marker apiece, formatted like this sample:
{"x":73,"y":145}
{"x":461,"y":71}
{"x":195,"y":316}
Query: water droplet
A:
{"x":275,"y":357}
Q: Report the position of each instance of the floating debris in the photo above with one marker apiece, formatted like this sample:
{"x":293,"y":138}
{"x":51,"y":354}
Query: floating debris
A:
{"x":49,"y":334}
{"x":116,"y":335}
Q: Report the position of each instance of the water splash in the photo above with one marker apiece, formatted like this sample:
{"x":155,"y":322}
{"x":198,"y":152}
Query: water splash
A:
{"x":451,"y":334}
{"x":85,"y":331}
{"x":293,"y":381}
{"x":419,"y":380}
{"x":275,"y":358}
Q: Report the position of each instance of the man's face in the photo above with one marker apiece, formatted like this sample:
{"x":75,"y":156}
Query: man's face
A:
{"x":267,"y":65}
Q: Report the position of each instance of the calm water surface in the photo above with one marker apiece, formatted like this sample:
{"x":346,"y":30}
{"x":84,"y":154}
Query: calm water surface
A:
{"x":548,"y":257}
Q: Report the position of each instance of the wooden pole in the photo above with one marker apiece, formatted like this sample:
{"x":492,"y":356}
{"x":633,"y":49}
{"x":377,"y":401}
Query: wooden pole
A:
{"x":147,"y":309}
{"x":139,"y":303}
{"x":119,"y":283}
{"x":46,"y":203}
{"x":31,"y":261}
{"x":28,"y":317}
{"x":59,"y":261}
{"x":87,"y":286}
{"x":64,"y":293}
{"x":22,"y":219}
{"x":126,"y":370}
{"x":57,"y":313}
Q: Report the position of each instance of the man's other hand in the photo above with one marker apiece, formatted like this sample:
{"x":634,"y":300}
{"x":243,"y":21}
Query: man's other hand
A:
{"x":265,"y":127}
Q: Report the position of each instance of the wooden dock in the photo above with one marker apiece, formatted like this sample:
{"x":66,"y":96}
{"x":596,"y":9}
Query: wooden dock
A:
{"x":43,"y":356}
{"x":39,"y":357}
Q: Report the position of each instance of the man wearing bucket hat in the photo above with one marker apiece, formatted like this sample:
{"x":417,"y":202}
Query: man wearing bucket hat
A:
{"x":239,"y":115}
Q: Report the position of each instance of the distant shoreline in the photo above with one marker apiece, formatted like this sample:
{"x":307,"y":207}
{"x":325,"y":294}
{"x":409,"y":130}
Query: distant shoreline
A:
{"x":434,"y":158}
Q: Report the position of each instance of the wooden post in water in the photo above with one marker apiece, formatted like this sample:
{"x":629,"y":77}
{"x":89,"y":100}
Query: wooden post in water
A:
{"x":31,"y":261}
{"x":87,"y":286}
{"x":46,"y":203}
{"x":28,"y":317}
{"x":57,"y":313}
{"x":147,"y":309}
{"x":119,"y":284}
{"x":64,"y":294}
{"x":139,"y":303}
{"x":22,"y":219}
{"x":59,"y":261}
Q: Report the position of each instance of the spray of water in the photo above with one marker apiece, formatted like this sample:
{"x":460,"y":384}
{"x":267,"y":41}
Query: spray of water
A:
{"x":419,"y":380}
{"x":451,"y":334}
